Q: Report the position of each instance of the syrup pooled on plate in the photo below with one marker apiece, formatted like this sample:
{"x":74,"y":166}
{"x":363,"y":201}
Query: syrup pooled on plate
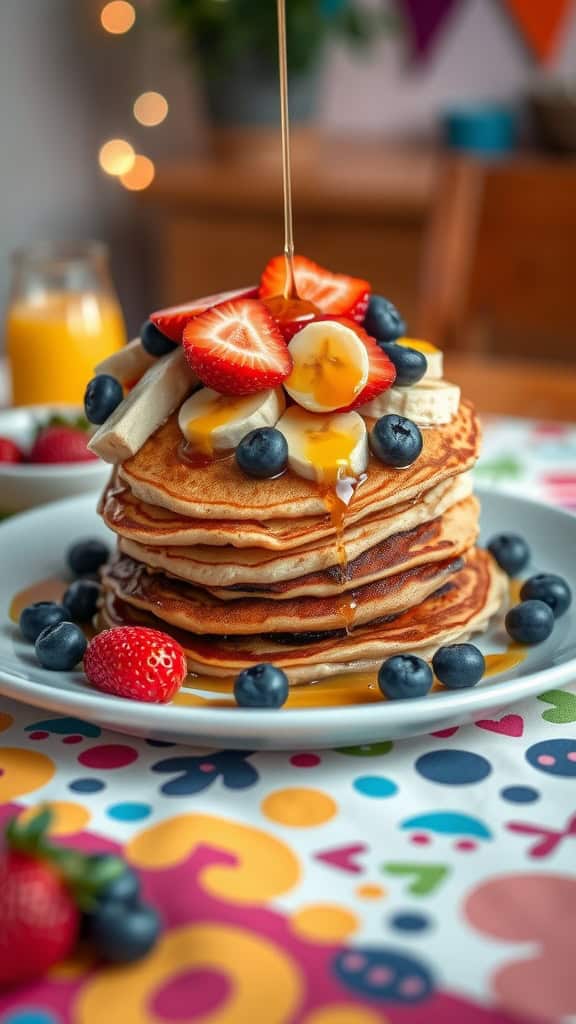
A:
{"x":504,"y":662}
{"x":337,"y":691}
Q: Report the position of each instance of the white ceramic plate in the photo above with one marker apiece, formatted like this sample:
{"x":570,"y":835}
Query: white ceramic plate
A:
{"x":32,"y":547}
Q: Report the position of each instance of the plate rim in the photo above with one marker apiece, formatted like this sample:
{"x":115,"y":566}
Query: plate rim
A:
{"x":448,"y":702}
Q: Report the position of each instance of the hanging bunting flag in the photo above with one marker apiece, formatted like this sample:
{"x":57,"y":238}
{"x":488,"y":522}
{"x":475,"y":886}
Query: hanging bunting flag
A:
{"x":425,"y":19}
{"x":540,"y":22}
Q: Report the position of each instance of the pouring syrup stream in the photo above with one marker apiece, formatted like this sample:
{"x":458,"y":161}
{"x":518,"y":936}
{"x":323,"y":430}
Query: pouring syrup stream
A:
{"x":290,"y":291}
{"x":332,"y":499}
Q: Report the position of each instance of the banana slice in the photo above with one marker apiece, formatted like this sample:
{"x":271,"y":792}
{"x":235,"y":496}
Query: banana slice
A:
{"x":127,"y":365}
{"x":151,"y":400}
{"x":434,"y":356}
{"x":330,"y":366}
{"x":214,"y":422}
{"x":430,"y":403}
{"x":324,"y":447}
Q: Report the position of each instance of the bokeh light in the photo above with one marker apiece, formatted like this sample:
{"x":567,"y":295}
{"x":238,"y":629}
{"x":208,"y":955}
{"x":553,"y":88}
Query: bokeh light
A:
{"x":140,"y":175}
{"x":117,"y":157}
{"x":117,"y":17}
{"x":150,"y":109}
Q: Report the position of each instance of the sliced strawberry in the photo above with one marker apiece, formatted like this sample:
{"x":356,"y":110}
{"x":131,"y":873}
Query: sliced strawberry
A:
{"x":173,"y":320}
{"x":335,"y":294}
{"x":237,"y":348}
{"x":382,"y":373}
{"x":291,"y":315}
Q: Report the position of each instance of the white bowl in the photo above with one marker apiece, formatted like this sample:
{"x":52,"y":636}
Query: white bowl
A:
{"x":24,"y":485}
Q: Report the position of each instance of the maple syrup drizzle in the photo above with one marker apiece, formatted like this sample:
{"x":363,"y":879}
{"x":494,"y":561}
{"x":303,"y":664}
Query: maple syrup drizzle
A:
{"x":292,"y":308}
{"x":219,"y":412}
{"x":196,"y":459}
{"x":290,"y":291}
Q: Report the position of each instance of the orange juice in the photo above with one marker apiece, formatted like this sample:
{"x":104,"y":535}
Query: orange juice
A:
{"x":54,"y":341}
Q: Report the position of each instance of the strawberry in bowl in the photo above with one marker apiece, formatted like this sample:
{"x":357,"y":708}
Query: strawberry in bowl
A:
{"x":44,"y":456}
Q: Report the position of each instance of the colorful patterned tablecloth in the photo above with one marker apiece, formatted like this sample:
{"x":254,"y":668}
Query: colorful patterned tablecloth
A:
{"x":430,"y":881}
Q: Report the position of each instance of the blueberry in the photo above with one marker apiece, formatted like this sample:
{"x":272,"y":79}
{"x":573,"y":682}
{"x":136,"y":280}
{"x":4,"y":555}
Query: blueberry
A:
{"x":155,"y":343}
{"x":510,"y":551}
{"x":60,"y":647}
{"x":396,"y":441}
{"x":86,"y":556}
{"x":262,"y":686}
{"x":37,"y":617}
{"x":122,"y":934}
{"x":530,"y":622}
{"x":382,"y":320}
{"x":263,"y":453}
{"x":410,"y":364}
{"x":112,"y":878}
{"x":123,"y":889}
{"x":404,"y":676}
{"x":101,"y":397}
{"x":459,"y":665}
{"x":551,"y":589}
{"x":81,"y":600}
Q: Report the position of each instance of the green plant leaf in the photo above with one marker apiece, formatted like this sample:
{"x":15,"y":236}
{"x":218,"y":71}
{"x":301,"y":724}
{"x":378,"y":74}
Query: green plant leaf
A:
{"x":219,"y":34}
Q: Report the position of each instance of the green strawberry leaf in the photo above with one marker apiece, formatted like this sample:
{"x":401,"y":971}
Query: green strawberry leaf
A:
{"x":58,"y":420}
{"x":29,"y":836}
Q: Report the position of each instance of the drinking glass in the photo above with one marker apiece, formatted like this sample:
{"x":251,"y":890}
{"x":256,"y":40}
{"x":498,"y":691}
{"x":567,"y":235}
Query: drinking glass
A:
{"x":63,"y":318}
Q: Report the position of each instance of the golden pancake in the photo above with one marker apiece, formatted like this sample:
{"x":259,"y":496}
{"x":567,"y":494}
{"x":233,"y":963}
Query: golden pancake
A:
{"x":465,"y":606}
{"x":445,"y":537}
{"x":235,"y":563}
{"x":159,"y":475}
{"x":135,"y":520}
{"x":226,"y":575}
{"x":196,"y":611}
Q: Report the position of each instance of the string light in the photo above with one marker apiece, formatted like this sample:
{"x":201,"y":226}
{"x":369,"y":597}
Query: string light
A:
{"x":117,"y":157}
{"x":150,"y":109}
{"x":140,"y":175}
{"x":117,"y":17}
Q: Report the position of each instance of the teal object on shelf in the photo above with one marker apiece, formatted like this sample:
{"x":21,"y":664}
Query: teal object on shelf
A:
{"x":487,"y":130}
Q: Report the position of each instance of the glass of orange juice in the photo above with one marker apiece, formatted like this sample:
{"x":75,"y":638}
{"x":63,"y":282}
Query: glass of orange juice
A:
{"x":63,"y":318}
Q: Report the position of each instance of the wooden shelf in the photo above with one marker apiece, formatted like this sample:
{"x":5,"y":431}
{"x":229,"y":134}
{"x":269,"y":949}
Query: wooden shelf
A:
{"x":360,"y":209}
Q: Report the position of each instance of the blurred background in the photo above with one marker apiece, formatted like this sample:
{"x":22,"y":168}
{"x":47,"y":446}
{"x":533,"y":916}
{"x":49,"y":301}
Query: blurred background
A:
{"x":434,"y":153}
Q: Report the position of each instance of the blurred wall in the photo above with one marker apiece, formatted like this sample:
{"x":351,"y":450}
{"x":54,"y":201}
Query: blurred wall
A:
{"x":48,"y":179}
{"x":479,"y":55}
{"x":66,"y":87}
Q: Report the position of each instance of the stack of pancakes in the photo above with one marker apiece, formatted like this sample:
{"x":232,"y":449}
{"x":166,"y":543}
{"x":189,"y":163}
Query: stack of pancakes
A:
{"x":243,"y":571}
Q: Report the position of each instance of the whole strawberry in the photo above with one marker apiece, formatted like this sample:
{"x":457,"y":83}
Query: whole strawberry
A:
{"x":9,"y":451}
{"x":40,"y":919}
{"x":61,"y":444}
{"x":136,"y":662}
{"x":39,"y":912}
